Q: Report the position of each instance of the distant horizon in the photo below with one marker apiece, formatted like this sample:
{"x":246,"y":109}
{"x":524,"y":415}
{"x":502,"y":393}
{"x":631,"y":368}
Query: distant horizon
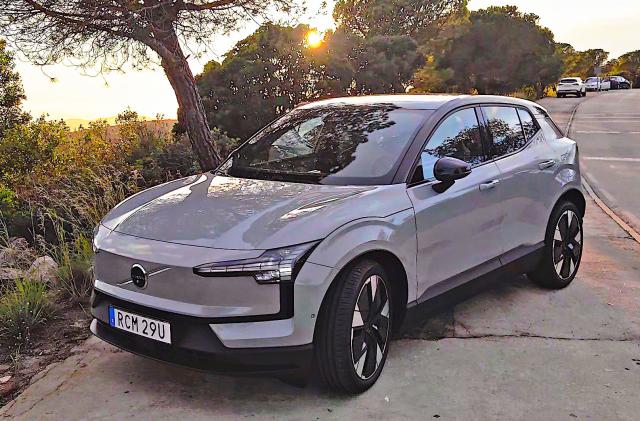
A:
{"x":75,"y":96}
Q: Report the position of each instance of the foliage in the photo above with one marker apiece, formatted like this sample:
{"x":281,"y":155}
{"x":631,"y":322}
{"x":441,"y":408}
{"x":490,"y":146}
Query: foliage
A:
{"x":74,"y":255}
{"x":113,"y":33}
{"x":581,"y":63}
{"x":418,"y":19}
{"x":502,"y":51}
{"x":24,"y":307}
{"x":627,"y":65}
{"x":271,"y":71}
{"x":11,"y":93}
{"x":30,"y":148}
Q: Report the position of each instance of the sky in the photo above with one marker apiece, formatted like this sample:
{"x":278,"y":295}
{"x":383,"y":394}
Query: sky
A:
{"x":73,"y":95}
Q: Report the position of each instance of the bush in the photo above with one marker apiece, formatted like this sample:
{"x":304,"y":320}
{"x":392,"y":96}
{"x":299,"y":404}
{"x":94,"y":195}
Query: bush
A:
{"x":74,"y":255}
{"x":23,"y":307}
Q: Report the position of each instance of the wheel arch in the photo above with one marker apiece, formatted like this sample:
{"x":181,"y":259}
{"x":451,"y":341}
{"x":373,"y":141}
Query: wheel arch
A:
{"x":396,"y":271}
{"x":576,"y":197}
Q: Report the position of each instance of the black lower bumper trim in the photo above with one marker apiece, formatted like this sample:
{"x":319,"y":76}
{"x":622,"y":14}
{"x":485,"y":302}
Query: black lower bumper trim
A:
{"x":254,"y":361}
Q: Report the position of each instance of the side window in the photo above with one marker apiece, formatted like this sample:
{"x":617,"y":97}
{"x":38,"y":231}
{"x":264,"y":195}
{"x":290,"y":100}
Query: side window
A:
{"x":549,"y":128}
{"x":505,"y":128}
{"x":529,"y":124}
{"x":458,"y":136}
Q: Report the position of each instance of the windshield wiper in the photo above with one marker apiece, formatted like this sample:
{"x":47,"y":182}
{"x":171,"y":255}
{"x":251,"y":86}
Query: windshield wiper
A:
{"x":275,"y":175}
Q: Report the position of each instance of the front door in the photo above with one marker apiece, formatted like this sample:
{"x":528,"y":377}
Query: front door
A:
{"x":458,"y":230}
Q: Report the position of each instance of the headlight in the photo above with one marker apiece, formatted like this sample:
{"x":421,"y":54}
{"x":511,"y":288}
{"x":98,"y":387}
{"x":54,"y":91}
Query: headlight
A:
{"x":272,"y":267}
{"x":94,"y":244}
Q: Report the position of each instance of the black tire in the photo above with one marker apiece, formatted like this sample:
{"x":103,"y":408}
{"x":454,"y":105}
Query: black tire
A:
{"x":560,"y":96}
{"x":551,"y":272}
{"x":334,"y":341}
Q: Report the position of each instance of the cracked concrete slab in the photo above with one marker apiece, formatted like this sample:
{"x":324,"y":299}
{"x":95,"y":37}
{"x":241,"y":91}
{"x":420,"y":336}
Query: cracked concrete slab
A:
{"x":454,"y":379}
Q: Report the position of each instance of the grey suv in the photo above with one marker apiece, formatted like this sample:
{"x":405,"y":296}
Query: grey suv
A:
{"x":308,"y":245}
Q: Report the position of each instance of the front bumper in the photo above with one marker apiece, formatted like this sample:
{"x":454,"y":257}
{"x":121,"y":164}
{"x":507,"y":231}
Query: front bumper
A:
{"x":194,"y":343}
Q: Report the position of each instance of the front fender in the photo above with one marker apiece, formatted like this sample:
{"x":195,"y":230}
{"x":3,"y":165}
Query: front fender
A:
{"x":395,"y":234}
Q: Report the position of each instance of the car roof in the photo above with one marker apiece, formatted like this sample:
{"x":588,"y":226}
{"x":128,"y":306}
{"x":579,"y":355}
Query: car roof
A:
{"x":418,"y":102}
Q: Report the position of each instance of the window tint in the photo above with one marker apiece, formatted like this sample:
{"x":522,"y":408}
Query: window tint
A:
{"x":529,"y":125}
{"x":505,"y":128}
{"x":459,"y":137}
{"x":569,"y":81}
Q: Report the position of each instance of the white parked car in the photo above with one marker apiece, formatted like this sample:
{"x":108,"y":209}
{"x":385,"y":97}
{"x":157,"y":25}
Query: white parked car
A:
{"x":605,"y":84}
{"x":594,"y":84}
{"x":571,"y":86}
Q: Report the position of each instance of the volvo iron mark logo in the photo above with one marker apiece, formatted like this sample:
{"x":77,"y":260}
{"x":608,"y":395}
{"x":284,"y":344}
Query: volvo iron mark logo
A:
{"x":139,"y":276}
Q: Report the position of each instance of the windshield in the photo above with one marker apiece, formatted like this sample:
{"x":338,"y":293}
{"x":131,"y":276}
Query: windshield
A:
{"x":569,"y":81}
{"x":332,"y":144}
{"x":592,"y":80}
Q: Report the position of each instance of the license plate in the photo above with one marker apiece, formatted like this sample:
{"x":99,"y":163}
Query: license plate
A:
{"x":140,"y":325}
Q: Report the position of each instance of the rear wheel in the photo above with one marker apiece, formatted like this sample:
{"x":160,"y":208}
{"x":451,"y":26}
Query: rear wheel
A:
{"x":355,"y":328}
{"x":563,"y":248}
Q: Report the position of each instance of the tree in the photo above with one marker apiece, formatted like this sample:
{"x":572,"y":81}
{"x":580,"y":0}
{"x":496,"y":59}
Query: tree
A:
{"x":627,"y":65}
{"x":418,"y":19}
{"x":581,"y":63}
{"x":502,"y":51}
{"x":11,"y":93}
{"x":273,"y":70}
{"x":111,"y":33}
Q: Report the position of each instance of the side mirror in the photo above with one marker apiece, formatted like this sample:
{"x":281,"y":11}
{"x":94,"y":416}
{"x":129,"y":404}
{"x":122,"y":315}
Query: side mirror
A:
{"x":450,"y":169}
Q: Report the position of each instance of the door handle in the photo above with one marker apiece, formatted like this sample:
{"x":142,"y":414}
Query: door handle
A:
{"x":490,"y":185}
{"x":547,"y":164}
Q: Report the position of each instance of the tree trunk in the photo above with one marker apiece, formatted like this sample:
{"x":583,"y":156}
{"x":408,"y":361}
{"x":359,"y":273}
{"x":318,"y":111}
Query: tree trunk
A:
{"x":191,"y":113}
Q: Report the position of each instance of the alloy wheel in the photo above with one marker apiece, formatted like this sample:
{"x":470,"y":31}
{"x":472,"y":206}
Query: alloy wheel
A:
{"x":370,"y":327}
{"x":567,"y":245}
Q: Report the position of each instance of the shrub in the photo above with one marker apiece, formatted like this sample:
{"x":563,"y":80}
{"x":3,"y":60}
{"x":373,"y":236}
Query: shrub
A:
{"x":74,"y":255}
{"x":23,"y":307}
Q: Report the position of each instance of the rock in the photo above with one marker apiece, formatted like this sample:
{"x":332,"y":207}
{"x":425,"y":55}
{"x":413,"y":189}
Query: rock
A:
{"x":10,"y":274}
{"x":13,"y":255}
{"x":43,"y":269}
{"x":5,"y":379}
{"x":4,"y":367}
{"x":7,"y":388}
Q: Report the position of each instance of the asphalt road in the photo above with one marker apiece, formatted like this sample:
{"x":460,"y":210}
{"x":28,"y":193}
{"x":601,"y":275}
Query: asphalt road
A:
{"x":512,"y":351}
{"x":607,"y":129}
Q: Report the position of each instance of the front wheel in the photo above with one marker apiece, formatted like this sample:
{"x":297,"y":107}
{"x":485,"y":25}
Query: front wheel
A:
{"x":563,"y":248}
{"x":354,"y":329}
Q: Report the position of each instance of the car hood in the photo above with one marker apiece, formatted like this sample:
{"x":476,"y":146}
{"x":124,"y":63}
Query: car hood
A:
{"x":236,"y":213}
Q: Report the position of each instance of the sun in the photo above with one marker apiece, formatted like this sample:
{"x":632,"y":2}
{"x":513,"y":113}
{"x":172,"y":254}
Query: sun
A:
{"x":314,"y":38}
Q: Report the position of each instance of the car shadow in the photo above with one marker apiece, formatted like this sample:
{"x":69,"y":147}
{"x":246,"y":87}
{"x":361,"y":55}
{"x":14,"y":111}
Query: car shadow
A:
{"x":434,"y":319}
{"x":430,"y":321}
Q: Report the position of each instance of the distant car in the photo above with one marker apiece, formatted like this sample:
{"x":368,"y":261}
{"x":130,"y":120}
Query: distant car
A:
{"x":593,"y":84}
{"x":571,"y":86}
{"x":618,"y":82}
{"x":605,"y":84}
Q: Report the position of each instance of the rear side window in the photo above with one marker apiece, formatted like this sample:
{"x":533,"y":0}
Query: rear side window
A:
{"x":458,"y":136}
{"x":529,"y":125}
{"x":549,"y":128}
{"x":505,"y":128}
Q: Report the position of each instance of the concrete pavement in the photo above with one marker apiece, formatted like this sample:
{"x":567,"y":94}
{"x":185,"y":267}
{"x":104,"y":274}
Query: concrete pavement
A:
{"x":514,"y":351}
